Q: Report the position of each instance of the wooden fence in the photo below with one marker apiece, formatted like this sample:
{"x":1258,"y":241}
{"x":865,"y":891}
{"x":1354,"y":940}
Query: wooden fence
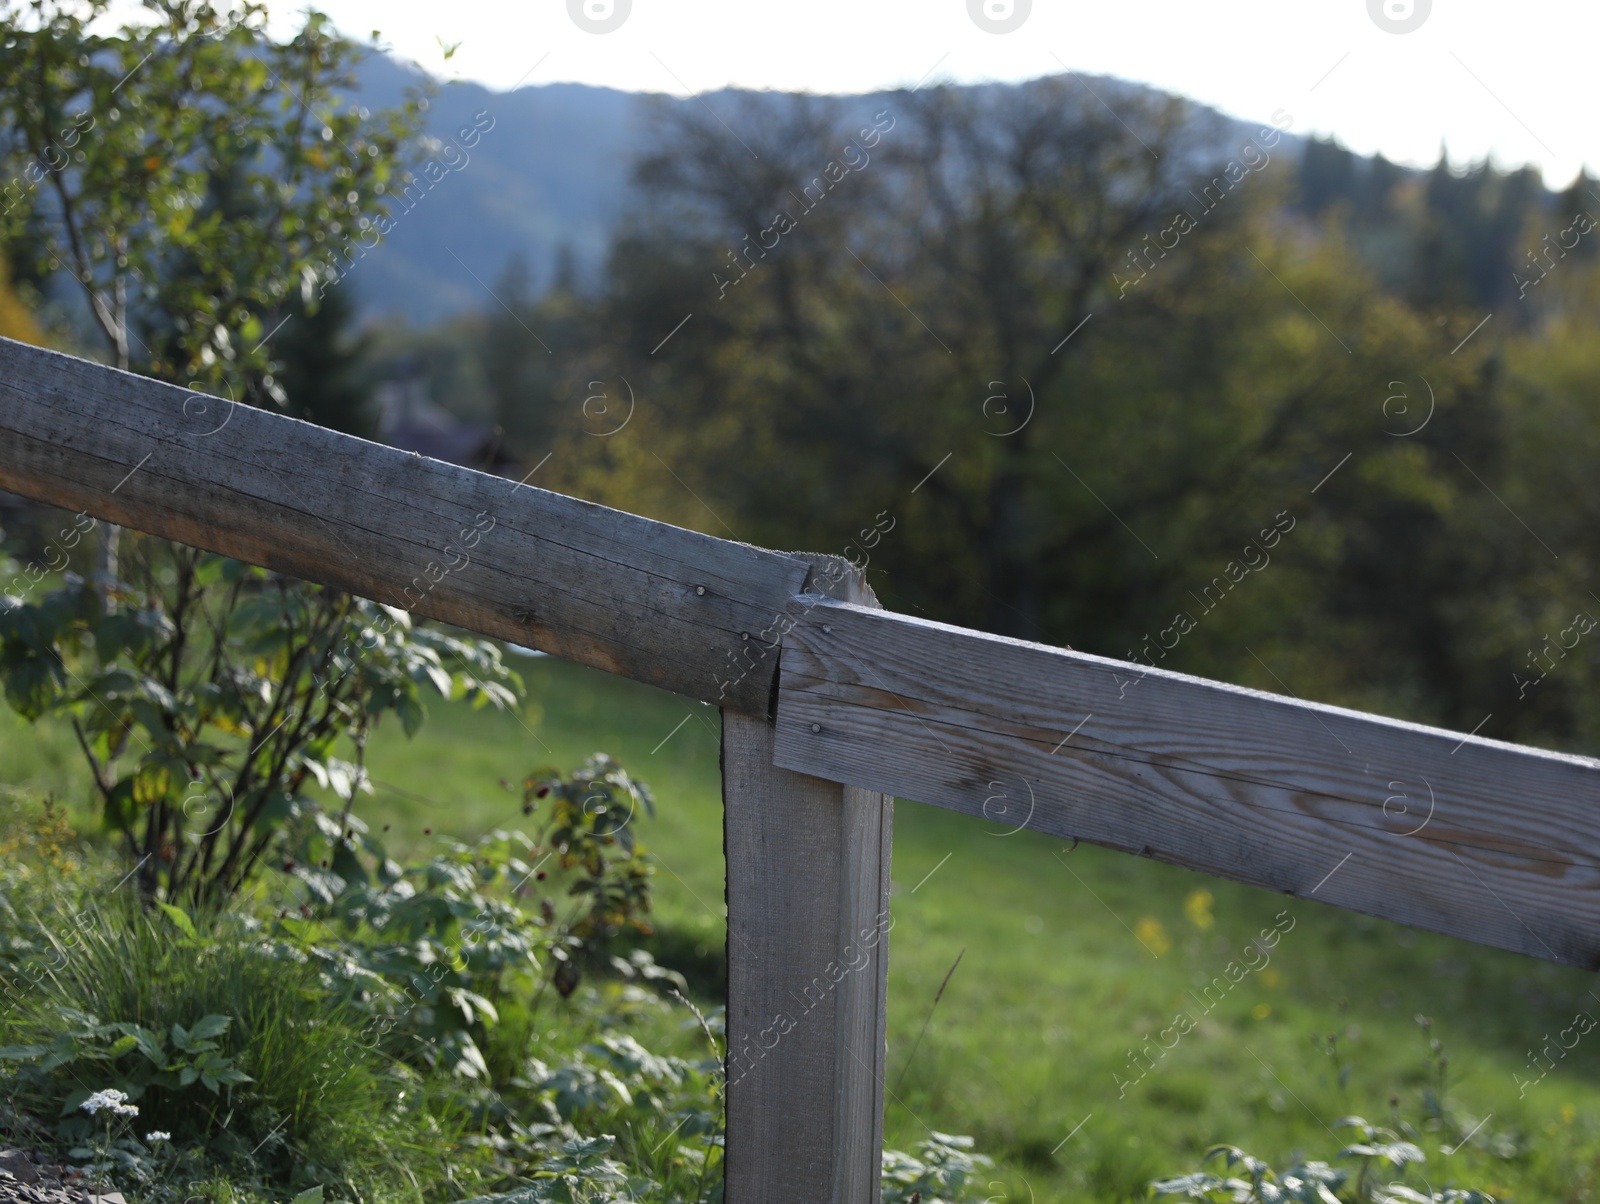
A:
{"x":831,"y":707}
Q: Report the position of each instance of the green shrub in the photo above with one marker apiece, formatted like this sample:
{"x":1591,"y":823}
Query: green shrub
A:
{"x":216,"y":695}
{"x":1392,"y":1153}
{"x":942,"y":1172}
{"x":434,"y":953}
{"x":211,"y":1034}
{"x":1318,"y":1182}
{"x":255,"y":1052}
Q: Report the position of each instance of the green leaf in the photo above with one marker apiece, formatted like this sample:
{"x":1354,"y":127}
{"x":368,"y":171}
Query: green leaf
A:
{"x":279,"y":807}
{"x":347,"y":865}
{"x":211,"y":1026}
{"x":22,"y":1053}
{"x":153,"y":782}
{"x":411,"y":713}
{"x":58,"y":1057}
{"x":439,"y":678}
{"x":122,"y":1045}
{"x":120,"y":810}
{"x":312,"y":1195}
{"x":181,"y":918}
{"x":114,"y":633}
{"x":1397,"y":1153}
{"x":1234,"y":1155}
{"x":1191,"y":1187}
{"x":149,"y":1044}
{"x":187,"y":1075}
{"x":1318,"y":1172}
{"x":210,"y":568}
{"x":234,"y":571}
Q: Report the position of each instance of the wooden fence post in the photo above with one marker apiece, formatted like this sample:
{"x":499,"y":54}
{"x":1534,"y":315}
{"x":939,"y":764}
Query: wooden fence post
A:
{"x":808,"y":921}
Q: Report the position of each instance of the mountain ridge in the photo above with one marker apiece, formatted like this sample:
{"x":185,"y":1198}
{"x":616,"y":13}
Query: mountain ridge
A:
{"x":552,"y":172}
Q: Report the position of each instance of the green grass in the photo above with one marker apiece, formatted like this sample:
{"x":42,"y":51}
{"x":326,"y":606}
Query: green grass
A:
{"x":117,"y":963}
{"x":447,"y":780}
{"x":1054,"y":990}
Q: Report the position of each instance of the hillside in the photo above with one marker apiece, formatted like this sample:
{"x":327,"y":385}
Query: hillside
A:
{"x":552,"y":171}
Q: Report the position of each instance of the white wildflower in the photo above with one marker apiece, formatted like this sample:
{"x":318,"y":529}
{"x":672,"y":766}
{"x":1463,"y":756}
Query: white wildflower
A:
{"x":157,"y":1136}
{"x":112,"y":1099}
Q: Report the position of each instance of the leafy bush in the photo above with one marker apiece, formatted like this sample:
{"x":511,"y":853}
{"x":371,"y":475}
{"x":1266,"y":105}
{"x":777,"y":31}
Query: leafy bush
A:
{"x":590,"y":829}
{"x":942,"y":1172}
{"x":434,"y":952}
{"x":1394,"y":1150}
{"x":1318,"y":1182}
{"x":216,"y":694}
{"x":582,"y":1173}
{"x":96,"y":1048}
{"x":215,"y":1039}
{"x":378,"y":1039}
{"x":35,"y":847}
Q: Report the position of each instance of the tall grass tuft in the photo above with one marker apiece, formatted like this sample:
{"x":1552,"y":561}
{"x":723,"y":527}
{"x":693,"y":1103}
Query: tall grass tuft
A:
{"x":318,"y":1106}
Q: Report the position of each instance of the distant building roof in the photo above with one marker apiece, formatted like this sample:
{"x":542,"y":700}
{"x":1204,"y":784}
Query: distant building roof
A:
{"x":408,"y":419}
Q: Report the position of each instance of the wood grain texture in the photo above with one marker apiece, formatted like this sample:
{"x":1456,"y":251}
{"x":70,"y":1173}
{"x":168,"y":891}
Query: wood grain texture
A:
{"x":1491,"y":842}
{"x":656,"y":603}
{"x":861,"y":1026}
{"x":808,"y":897}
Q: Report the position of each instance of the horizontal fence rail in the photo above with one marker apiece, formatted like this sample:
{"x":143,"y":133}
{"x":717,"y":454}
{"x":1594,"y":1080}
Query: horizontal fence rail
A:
{"x":643,"y":599}
{"x":1492,"y":842}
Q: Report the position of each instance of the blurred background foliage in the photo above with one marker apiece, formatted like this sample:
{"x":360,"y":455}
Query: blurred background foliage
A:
{"x":1427,"y":337}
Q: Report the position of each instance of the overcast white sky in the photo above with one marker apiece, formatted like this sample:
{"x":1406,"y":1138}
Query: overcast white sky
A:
{"x":1485,"y":76}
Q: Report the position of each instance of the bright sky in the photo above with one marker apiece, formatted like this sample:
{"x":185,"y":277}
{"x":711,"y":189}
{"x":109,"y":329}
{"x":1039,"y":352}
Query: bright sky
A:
{"x":1484,"y":76}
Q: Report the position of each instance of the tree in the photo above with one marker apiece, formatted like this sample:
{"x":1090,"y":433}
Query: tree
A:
{"x":15,"y":320}
{"x":324,"y":373}
{"x":935,"y":301}
{"x":1049,"y":370}
{"x":132,"y":156}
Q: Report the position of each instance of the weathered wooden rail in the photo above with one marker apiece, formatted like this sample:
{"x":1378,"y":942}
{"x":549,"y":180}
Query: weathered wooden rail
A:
{"x":831,"y":707}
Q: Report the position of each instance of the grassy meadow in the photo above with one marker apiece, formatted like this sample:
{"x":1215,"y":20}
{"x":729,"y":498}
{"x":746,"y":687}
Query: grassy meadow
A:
{"x":1046,"y":1042}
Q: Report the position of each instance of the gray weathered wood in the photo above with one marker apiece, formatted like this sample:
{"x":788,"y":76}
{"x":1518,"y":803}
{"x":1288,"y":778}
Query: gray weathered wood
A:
{"x":663,"y":605}
{"x":1488,"y":841}
{"x":808,"y":920}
